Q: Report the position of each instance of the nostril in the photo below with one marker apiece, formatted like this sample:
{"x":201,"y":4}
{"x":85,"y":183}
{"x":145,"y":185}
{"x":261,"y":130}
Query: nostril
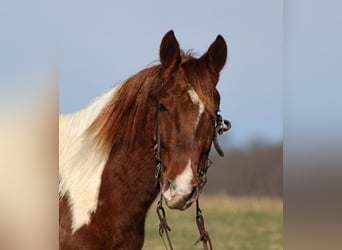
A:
{"x":173,"y":189}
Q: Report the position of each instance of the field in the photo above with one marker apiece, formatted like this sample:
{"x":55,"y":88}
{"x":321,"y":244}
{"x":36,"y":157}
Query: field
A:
{"x":233,"y":224}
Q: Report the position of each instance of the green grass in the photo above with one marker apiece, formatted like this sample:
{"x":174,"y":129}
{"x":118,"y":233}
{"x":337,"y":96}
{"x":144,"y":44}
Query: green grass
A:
{"x":232,"y":223}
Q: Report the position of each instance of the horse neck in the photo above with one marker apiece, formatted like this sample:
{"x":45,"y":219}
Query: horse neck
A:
{"x":128,"y":185}
{"x":129,"y":177}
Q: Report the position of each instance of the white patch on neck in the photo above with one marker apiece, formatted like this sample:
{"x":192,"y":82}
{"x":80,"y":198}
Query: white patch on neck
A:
{"x":183,"y":181}
{"x":196,"y":100}
{"x":80,"y":166}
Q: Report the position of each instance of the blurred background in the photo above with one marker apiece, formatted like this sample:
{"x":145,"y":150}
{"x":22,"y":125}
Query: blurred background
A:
{"x":103,"y":44}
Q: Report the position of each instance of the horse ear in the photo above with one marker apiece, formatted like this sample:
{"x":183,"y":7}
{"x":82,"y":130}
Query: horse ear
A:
{"x":216,"y":55}
{"x":169,"y":51}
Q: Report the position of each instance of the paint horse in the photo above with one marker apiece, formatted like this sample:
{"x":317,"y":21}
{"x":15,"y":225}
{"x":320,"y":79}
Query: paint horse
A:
{"x":107,"y":150}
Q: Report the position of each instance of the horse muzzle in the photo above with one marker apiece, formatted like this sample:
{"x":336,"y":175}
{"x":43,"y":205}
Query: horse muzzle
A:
{"x":180,"y":201}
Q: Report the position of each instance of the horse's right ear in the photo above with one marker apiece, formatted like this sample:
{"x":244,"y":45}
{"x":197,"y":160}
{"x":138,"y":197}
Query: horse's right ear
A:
{"x":169,"y":51}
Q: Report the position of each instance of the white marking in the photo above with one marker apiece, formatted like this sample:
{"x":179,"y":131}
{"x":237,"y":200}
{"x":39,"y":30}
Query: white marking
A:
{"x":182,"y":182}
{"x":80,"y":166}
{"x":196,"y":100}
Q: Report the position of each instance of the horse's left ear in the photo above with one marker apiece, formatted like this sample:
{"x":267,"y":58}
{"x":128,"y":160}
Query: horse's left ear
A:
{"x":216,"y":55}
{"x":170,"y":56}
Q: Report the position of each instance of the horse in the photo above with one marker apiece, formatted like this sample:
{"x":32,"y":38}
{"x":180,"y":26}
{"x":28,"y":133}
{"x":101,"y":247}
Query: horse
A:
{"x":162,"y":116}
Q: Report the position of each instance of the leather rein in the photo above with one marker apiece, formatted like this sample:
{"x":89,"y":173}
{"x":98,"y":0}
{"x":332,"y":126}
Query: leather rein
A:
{"x":221,"y":126}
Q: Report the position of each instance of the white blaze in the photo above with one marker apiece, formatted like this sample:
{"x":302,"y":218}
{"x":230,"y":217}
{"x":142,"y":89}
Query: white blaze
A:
{"x":196,"y":100}
{"x":181,"y":186}
{"x":183,"y":181}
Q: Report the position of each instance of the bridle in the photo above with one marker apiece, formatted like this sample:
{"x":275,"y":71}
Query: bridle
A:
{"x":221,"y":126}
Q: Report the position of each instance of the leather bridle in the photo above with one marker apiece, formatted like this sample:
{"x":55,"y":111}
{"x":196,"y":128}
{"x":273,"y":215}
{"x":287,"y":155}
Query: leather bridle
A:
{"x":221,"y":126}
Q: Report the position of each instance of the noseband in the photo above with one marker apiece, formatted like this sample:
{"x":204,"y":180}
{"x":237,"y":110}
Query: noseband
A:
{"x":221,"y":126}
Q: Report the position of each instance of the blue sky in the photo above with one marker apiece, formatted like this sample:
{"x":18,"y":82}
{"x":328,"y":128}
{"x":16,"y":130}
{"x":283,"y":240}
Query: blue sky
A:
{"x":102,"y":43}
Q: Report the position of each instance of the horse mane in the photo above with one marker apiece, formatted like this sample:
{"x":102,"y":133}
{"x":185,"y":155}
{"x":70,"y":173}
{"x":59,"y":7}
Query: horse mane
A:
{"x":120,"y":121}
{"x":125,"y":115}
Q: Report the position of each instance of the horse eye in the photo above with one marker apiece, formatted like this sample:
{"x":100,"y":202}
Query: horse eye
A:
{"x":162,"y":107}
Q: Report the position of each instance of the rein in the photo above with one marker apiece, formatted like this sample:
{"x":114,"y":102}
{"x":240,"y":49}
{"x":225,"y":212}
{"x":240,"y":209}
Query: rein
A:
{"x":221,"y":126}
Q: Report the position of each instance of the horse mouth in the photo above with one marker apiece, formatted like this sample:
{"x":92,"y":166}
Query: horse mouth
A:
{"x":181,"y":202}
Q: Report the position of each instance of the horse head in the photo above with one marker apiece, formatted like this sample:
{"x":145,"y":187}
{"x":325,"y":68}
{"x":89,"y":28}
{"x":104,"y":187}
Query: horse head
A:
{"x":187,"y":112}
